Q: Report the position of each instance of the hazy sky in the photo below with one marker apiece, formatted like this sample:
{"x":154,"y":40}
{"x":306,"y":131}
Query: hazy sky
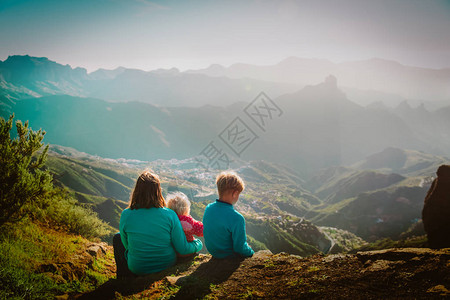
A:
{"x":194,"y":34}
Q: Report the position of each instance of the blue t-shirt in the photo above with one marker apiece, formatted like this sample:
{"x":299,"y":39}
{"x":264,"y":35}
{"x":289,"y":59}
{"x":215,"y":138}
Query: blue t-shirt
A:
{"x":151,"y":236}
{"x":224,"y":231}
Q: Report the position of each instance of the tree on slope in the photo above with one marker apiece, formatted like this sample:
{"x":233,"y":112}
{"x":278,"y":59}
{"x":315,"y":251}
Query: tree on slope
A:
{"x":22,"y":177}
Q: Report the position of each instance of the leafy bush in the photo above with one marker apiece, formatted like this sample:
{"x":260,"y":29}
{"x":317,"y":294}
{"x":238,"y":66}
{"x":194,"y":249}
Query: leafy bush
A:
{"x":75,"y":218}
{"x":27,"y":188}
{"x":23,"y":180}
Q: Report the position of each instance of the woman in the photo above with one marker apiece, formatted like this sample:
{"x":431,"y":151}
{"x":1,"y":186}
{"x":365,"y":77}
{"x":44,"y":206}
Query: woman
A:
{"x":150,"y":234}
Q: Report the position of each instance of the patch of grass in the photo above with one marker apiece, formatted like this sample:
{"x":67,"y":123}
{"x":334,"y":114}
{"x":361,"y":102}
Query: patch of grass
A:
{"x":213,"y":288}
{"x":22,"y":250}
{"x":25,"y":246}
{"x":19,"y":283}
{"x":96,"y":274}
{"x":62,"y":212}
{"x":250,"y":293}
{"x":323,"y":277}
{"x":387,"y":243}
{"x":299,"y":268}
{"x":269,"y":264}
{"x":30,"y":244}
{"x":313,"y":269}
{"x":295,"y":283}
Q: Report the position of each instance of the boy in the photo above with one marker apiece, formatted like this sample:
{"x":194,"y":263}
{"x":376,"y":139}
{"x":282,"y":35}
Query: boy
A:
{"x":224,"y":227}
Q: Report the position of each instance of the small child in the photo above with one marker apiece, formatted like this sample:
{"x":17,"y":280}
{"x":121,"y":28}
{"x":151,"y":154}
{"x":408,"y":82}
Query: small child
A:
{"x":225,"y":234}
{"x":179,"y":203}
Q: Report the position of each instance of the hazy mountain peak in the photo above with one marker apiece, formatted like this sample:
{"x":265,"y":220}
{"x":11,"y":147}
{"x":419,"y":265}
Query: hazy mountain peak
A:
{"x":331,"y":81}
{"x":216,"y":68}
{"x":329,"y":85}
{"x":421,"y":108}
{"x":403,"y":106}
{"x":25,"y":58}
{"x":377,"y":105}
{"x":169,"y":72}
{"x":26,"y":69}
{"x":384,"y":62}
{"x":106,"y":74}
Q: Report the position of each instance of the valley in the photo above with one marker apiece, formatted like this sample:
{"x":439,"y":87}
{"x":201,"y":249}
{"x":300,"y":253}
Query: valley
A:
{"x":341,"y":208}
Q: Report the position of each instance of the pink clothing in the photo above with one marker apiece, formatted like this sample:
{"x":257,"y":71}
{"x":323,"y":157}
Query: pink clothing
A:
{"x":191,"y":227}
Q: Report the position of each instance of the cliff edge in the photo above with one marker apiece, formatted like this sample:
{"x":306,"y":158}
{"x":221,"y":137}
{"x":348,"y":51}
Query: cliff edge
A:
{"x":392,"y":273}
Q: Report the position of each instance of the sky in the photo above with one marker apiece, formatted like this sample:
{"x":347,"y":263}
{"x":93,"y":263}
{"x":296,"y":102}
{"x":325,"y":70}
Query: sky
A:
{"x":193,"y":34}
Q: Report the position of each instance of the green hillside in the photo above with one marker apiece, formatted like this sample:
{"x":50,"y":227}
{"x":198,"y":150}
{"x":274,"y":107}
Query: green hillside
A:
{"x":352,"y":182}
{"x":374,"y":215}
{"x":272,"y":202}
{"x":375,"y":203}
{"x":369,"y":203}
{"x":405,"y":162}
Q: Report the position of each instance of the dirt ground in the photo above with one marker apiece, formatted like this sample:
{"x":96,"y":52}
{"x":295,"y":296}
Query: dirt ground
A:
{"x":409,"y":273}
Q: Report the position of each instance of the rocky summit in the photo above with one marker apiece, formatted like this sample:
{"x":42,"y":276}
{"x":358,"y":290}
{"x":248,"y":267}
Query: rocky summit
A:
{"x":402,"y":273}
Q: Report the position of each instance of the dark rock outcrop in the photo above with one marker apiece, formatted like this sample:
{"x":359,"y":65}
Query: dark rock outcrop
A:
{"x":436,"y":210}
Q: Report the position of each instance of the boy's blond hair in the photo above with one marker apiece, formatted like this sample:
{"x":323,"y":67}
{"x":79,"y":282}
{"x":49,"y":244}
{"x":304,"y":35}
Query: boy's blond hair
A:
{"x":227,"y":181}
{"x":179,"y":203}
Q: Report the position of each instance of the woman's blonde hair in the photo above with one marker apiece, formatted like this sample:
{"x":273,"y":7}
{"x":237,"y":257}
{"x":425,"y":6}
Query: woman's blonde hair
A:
{"x":227,"y":181}
{"x":179,"y":203}
{"x":147,"y":192}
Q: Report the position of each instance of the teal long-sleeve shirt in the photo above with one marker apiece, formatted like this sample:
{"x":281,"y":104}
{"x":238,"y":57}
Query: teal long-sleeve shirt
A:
{"x":151,"y":236}
{"x":224,"y":231}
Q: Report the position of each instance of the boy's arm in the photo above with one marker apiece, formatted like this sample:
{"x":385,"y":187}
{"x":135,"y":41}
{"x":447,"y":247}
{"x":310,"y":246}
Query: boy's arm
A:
{"x":239,"y":237}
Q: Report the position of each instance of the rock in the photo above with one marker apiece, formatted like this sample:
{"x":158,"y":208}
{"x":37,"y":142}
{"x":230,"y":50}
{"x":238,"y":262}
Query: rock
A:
{"x":381,"y":265}
{"x":176,"y":280}
{"x":55,"y":277}
{"x":262,"y":254}
{"x":402,"y":254}
{"x":62,"y":297}
{"x":439,"y":289}
{"x":386,"y":274}
{"x":330,"y":258}
{"x":96,"y":250}
{"x":436,"y":210}
{"x":65,"y":271}
{"x":48,"y":268}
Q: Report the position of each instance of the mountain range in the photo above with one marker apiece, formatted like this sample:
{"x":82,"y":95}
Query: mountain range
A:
{"x":315,"y":127}
{"x":371,"y":75}
{"x":24,"y":77}
{"x":364,"y":81}
{"x":347,"y":166}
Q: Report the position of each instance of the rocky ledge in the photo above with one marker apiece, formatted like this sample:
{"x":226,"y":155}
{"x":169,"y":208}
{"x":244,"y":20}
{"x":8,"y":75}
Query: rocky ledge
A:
{"x":407,"y":273}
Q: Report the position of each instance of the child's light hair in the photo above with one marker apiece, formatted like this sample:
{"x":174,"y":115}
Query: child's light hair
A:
{"x":227,"y":181}
{"x":179,"y":203}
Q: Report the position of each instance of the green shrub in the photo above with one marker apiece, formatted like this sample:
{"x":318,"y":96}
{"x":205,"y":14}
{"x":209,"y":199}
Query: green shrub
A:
{"x":23,"y":180}
{"x":27,"y":188}
{"x":64,"y":211}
